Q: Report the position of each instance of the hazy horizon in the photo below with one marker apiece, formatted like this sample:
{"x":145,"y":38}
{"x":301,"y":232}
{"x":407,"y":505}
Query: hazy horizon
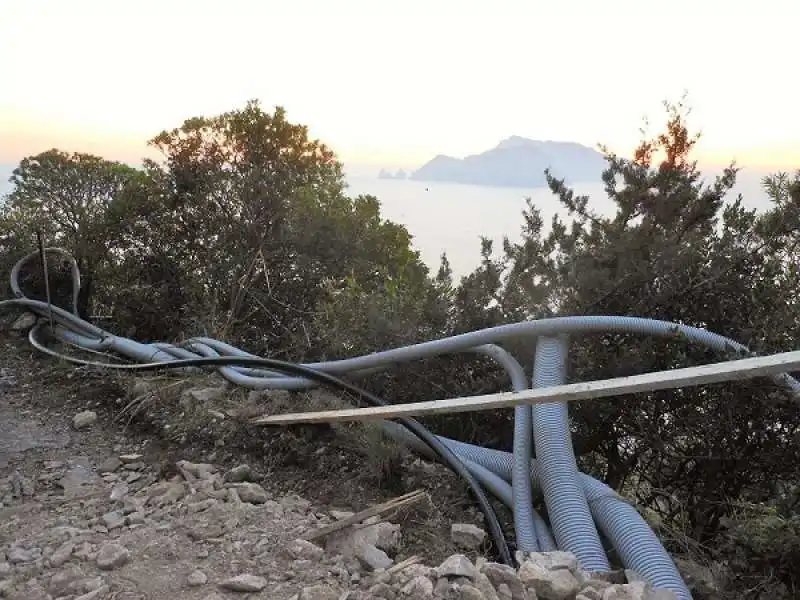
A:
{"x":474,"y":210}
{"x":389,"y":87}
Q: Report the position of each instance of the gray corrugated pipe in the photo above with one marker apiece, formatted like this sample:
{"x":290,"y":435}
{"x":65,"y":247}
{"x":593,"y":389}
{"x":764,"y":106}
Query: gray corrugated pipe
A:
{"x":493,"y":481}
{"x":500,"y":488}
{"x":636,"y":543}
{"x":525,"y":515}
{"x":638,"y":546}
{"x":573,"y":527}
{"x":634,"y":540}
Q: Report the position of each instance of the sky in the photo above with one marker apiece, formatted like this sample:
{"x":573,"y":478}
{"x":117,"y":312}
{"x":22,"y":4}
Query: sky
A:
{"x":395,"y":83}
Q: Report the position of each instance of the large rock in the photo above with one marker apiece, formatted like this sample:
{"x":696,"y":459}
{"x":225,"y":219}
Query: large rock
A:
{"x":467,"y":536}
{"x":485,"y":586}
{"x":303,"y":549}
{"x":66,"y":582}
{"x":84,"y":419}
{"x":372,"y":557}
{"x":196,"y":578}
{"x":112,"y":556}
{"x":457,"y":565}
{"x":383,"y":536}
{"x":97,"y":594}
{"x":699,"y":578}
{"x":469,"y":592}
{"x":318,"y":592}
{"x":559,"y":584}
{"x":197,"y":470}
{"x":141,"y":387}
{"x":504,"y":592}
{"x":627,"y":591}
{"x":17,"y":555}
{"x":500,"y":574}
{"x":113,"y":520}
{"x":239,"y":474}
{"x":595,"y":587}
{"x":661,"y":594}
{"x":24,"y":322}
{"x":552,"y":561}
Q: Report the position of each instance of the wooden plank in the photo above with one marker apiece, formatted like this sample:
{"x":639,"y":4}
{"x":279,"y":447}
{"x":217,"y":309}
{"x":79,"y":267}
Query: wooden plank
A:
{"x":732,"y":370}
{"x":373,"y":511}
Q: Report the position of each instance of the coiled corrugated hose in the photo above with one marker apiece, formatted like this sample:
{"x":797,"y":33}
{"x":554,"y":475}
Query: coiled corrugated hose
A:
{"x":567,"y":492}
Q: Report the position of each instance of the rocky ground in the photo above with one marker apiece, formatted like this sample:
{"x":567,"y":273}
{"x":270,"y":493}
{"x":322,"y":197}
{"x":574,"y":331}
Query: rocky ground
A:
{"x":90,"y":510}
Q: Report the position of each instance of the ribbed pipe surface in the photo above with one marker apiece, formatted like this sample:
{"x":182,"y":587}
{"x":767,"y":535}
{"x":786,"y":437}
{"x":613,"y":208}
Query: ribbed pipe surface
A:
{"x":636,"y":543}
{"x":570,"y":518}
{"x":632,"y":538}
{"x":524,"y":525}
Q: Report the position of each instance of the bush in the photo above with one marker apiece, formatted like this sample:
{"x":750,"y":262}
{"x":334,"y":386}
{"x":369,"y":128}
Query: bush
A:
{"x":761,"y":545}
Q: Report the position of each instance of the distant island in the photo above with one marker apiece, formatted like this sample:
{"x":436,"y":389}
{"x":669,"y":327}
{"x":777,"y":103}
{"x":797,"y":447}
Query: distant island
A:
{"x":384,"y":174}
{"x":517,"y":162}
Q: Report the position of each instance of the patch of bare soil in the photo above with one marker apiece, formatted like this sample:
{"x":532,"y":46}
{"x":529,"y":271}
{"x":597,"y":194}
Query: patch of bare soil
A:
{"x":106,"y":510}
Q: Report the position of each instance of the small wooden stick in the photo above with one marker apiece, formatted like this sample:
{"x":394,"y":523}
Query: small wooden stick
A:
{"x":373,"y":511}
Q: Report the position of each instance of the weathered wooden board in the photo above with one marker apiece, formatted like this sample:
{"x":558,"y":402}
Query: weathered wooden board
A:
{"x":746,"y":368}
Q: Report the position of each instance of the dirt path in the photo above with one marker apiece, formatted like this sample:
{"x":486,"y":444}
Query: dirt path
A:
{"x":190,"y":504}
{"x":77,"y":520}
{"x":94,"y":512}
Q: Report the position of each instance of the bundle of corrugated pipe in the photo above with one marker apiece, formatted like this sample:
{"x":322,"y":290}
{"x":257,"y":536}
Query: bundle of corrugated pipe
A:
{"x":579,"y":507}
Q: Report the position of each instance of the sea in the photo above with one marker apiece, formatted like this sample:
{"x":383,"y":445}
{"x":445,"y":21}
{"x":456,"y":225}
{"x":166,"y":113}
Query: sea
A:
{"x":451,"y":218}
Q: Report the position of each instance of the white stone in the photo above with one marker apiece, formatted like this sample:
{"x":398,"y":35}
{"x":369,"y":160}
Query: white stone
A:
{"x":418,"y":587}
{"x":628,"y":591}
{"x":244,"y":583}
{"x":84,"y":419}
{"x":373,"y":558}
{"x":61,"y":554}
{"x":112,"y":556}
{"x":196,"y":578}
{"x":467,"y":536}
{"x":560,"y":584}
{"x":318,"y":592}
{"x":500,"y":574}
{"x":553,"y":561}
{"x":23,"y":322}
{"x":251,"y":492}
{"x":457,"y":565}
{"x":303,"y":549}
{"x":209,"y":394}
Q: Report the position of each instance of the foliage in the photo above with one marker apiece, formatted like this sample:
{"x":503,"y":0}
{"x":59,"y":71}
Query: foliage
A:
{"x":674,"y":248}
{"x":244,"y":231}
{"x":66,"y":197}
{"x":763,"y":539}
{"x":239,"y":232}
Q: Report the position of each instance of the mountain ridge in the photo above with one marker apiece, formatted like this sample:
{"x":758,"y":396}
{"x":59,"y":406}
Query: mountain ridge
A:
{"x":516,"y":161}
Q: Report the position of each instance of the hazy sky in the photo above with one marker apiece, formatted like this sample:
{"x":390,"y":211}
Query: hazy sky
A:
{"x":393,"y":83}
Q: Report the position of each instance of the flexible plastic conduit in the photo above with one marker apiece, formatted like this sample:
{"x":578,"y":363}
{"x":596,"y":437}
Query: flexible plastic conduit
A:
{"x":570,"y":518}
{"x":633,"y":539}
{"x":525,"y":515}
